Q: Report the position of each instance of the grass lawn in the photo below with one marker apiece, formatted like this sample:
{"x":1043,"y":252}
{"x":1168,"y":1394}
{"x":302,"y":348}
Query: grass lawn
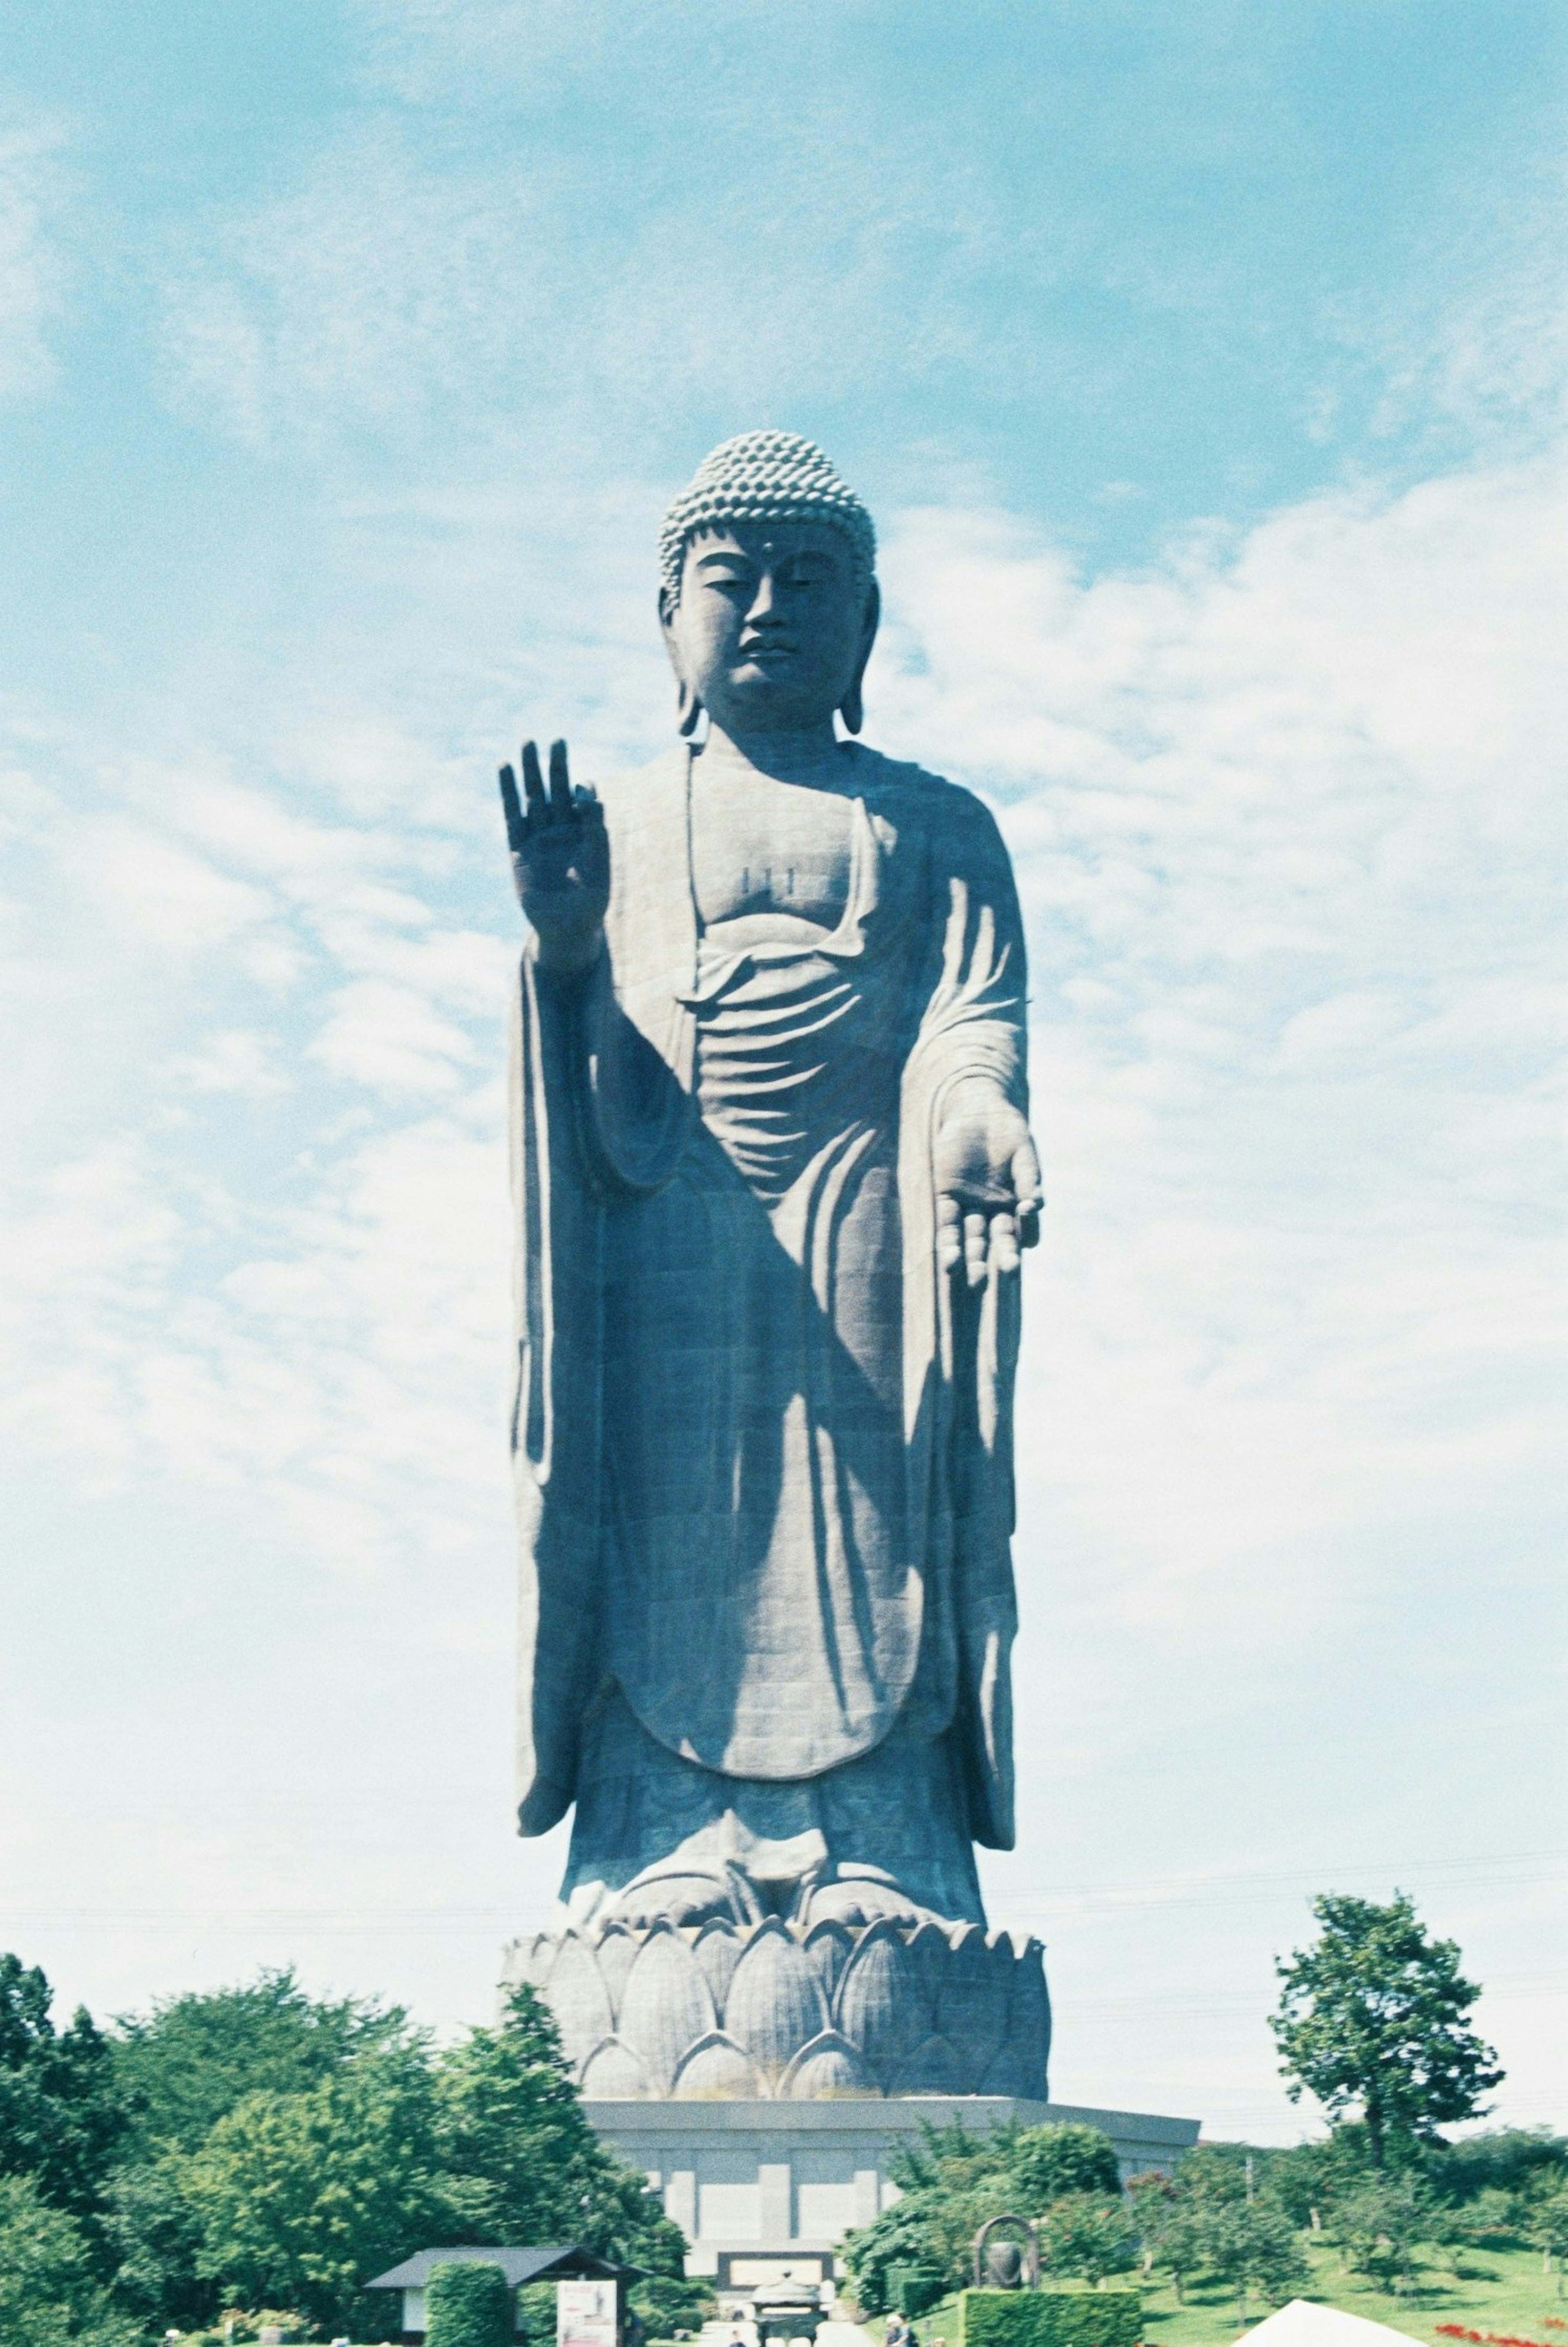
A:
{"x":1501,"y":2291}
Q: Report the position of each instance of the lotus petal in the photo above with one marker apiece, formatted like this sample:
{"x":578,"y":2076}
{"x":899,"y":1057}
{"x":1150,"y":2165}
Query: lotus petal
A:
{"x":716,"y":2071}
{"x":828,"y":1945}
{"x":1029,"y":2019}
{"x":828,"y":2066}
{"x":972,"y":1999}
{"x":776,"y":2003}
{"x":929,"y":1951}
{"x":879,"y":2007}
{"x":717,"y":1948}
{"x":617,"y":1952}
{"x":1018,"y":2067}
{"x":666,"y":2004}
{"x":580,"y":2000}
{"x":613,"y":2072}
{"x":933,"y":2068}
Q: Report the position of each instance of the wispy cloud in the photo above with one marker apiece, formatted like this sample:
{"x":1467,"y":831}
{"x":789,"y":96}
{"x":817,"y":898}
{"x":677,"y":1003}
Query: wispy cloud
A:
{"x":31,"y":265}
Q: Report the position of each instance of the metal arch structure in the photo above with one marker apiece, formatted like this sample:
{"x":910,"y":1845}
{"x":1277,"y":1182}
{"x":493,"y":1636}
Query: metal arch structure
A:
{"x":1029,"y":2245}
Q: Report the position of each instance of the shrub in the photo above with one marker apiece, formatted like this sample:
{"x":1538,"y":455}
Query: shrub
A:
{"x":668,"y":2305}
{"x":1087,"y":2236}
{"x":1048,"y":2163}
{"x":469,"y":2303}
{"x":1050,"y":2318}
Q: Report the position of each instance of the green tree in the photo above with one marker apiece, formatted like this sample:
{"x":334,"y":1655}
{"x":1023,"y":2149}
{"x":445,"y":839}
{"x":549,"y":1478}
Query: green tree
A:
{"x":154,"y":2234}
{"x":1088,"y":2235}
{"x":1510,"y":2159}
{"x":1373,"y":2014}
{"x":1249,"y":2246}
{"x":1378,"y":2226}
{"x":519,"y":2161}
{"x":49,"y":2293}
{"x":186,"y":2063}
{"x":469,"y":2304}
{"x":62,"y":2119}
{"x":666,"y":2304}
{"x":300,"y":2197}
{"x":1046,"y":2163}
{"x":1309,"y":2182}
{"x":1545,"y":2226}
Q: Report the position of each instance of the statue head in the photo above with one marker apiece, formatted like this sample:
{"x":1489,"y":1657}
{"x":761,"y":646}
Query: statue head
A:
{"x":767,"y":598}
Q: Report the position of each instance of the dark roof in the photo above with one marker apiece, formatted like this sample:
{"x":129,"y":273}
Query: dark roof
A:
{"x":564,"y":2262}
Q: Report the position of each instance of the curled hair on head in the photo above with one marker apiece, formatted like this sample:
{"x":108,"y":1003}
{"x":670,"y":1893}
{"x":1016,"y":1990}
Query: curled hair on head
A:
{"x":762,"y":477}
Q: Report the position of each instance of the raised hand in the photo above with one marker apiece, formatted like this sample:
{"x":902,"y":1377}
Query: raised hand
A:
{"x":988,"y":1182}
{"x":560,"y":860}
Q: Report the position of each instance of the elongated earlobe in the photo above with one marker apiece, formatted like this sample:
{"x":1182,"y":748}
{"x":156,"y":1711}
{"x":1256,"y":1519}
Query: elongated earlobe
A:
{"x":851,"y":707}
{"x":688,"y":708}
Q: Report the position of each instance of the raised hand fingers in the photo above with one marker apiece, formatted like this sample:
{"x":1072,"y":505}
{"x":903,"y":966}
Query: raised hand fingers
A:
{"x":533,"y":781}
{"x":560,"y":781}
{"x":511,"y":810}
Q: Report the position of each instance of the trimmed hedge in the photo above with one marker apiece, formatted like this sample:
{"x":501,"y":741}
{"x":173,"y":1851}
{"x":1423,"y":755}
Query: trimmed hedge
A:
{"x":912,"y":2290}
{"x":1050,"y":2318}
{"x":469,"y":2303}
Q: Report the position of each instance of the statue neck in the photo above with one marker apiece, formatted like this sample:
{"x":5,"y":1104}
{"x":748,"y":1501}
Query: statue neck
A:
{"x":809,"y":754}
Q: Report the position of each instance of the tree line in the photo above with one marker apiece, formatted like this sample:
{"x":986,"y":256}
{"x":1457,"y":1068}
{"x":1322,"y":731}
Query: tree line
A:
{"x":256,"y":2152}
{"x":1373,"y":2022}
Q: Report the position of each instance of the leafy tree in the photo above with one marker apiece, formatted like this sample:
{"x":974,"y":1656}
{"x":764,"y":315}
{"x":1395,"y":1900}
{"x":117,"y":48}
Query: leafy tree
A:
{"x":1249,"y":2246}
{"x":469,"y":2304}
{"x":1310,"y":2180}
{"x":154,"y":2233}
{"x":1048,"y":2163}
{"x":952,"y":2179}
{"x":1379,"y":2225}
{"x":186,"y":2063}
{"x":518,"y":2159}
{"x":299,"y":2197}
{"x":1210,"y":2176}
{"x":49,"y":2293}
{"x":1546,"y":2224}
{"x":1510,"y":2159}
{"x":1087,"y":2235}
{"x":668,"y":2304}
{"x":61,"y":2120}
{"x":912,"y":2233}
{"x":1374,"y":2015}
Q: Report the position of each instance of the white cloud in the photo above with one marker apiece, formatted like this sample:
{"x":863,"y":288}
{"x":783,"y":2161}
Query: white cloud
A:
{"x":1287,"y":818}
{"x":1288,"y":821}
{"x":30,"y":268}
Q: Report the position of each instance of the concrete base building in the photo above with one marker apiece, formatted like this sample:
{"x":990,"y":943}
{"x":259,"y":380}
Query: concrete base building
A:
{"x":764,"y":2190}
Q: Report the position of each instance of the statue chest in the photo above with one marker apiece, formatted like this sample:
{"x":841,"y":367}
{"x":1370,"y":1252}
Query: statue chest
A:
{"x":765,"y":851}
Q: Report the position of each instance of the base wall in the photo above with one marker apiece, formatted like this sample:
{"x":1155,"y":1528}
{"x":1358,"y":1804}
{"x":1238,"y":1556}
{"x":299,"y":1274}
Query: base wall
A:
{"x":750,"y":2181}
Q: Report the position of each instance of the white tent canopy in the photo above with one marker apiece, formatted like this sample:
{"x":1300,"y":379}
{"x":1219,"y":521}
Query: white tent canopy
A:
{"x":1302,"y":2324}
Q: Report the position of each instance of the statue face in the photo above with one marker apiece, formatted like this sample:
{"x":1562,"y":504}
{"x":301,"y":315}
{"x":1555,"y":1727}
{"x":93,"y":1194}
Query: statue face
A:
{"x":770,"y":632}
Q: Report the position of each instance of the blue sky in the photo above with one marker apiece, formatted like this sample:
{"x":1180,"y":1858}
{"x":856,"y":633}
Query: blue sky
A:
{"x":1204,"y":366}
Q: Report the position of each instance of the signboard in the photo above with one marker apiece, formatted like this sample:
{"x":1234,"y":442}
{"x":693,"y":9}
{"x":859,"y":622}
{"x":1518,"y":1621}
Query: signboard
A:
{"x":586,"y":2314}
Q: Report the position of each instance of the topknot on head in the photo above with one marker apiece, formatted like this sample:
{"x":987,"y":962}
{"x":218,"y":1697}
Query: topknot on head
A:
{"x":764,"y":477}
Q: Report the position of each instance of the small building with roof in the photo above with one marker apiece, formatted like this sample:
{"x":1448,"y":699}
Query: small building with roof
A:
{"x":561,"y":2262}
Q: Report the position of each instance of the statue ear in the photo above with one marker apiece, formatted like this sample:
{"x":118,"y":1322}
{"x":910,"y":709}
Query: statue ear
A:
{"x":688,"y":707}
{"x":851,"y":707}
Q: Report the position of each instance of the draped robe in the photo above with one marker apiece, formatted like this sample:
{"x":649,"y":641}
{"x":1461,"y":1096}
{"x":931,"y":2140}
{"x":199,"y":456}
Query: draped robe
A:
{"x":763,"y":1445}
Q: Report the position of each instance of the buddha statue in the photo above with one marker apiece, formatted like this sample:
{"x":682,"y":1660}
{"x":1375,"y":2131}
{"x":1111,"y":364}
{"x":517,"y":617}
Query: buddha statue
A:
{"x":773,"y":1175}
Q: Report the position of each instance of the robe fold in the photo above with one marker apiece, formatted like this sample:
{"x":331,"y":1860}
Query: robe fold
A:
{"x":763,"y":1446}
